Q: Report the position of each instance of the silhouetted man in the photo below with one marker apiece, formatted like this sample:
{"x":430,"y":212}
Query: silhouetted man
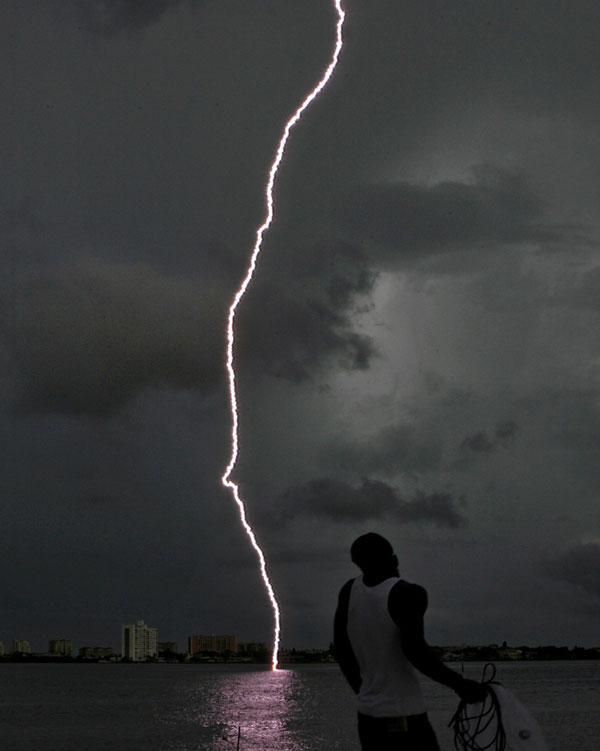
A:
{"x":379,"y":641}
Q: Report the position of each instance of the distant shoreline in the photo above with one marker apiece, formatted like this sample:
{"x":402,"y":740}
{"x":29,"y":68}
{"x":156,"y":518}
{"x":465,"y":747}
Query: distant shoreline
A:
{"x":464,"y":653}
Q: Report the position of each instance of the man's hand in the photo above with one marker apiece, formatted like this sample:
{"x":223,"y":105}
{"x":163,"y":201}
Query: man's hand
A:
{"x":471,"y":691}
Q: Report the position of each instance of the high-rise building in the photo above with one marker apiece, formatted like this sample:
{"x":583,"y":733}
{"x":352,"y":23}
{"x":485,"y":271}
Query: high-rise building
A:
{"x":60,"y":647}
{"x":20,"y":646}
{"x":211,"y":643}
{"x":138,"y":641}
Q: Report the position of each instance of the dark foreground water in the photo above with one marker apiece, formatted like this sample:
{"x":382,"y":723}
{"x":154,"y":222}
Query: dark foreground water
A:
{"x":203,"y":707}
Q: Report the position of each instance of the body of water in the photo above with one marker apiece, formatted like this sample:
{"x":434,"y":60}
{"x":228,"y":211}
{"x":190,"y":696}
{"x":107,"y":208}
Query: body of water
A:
{"x":160,"y":707}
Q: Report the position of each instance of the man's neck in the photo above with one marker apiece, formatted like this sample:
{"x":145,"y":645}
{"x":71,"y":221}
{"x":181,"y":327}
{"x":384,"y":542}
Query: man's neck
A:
{"x":373,"y":579}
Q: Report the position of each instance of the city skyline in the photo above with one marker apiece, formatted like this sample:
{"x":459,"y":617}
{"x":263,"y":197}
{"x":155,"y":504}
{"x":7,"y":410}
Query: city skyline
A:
{"x":214,"y":642}
{"x":116,"y":644}
{"x":224,"y":648}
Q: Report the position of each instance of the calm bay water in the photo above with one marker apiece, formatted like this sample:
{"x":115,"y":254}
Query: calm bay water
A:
{"x":203,"y":707}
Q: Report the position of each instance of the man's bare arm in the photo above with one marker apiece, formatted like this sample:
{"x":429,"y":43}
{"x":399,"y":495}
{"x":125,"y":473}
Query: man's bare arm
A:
{"x":407,"y":604}
{"x":342,"y":648}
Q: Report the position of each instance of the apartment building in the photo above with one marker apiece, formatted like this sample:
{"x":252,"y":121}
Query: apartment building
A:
{"x":138,"y":641}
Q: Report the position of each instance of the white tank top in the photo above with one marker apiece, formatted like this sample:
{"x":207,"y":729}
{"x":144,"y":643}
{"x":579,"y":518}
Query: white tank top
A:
{"x":390,"y":686}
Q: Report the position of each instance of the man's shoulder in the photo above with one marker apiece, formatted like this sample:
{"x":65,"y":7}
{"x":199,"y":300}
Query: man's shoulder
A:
{"x":344,"y":600}
{"x":409,"y":595}
{"x":345,"y":590}
{"x":408,"y":587}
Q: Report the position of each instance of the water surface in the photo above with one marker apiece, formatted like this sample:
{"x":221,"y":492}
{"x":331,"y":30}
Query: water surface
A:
{"x":204,"y":707}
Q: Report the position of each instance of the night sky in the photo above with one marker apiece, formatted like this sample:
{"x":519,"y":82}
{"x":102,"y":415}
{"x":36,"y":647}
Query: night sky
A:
{"x":418,"y":354}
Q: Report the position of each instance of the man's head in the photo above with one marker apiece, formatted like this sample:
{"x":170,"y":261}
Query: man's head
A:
{"x":373,"y":554}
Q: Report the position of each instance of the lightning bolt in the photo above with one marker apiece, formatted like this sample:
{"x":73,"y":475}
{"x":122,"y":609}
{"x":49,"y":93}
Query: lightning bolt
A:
{"x":260,"y":232}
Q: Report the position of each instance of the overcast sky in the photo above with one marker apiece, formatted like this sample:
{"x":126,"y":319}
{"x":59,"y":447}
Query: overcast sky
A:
{"x":418,"y":354}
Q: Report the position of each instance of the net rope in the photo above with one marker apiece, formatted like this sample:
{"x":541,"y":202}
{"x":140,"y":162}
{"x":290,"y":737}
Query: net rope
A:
{"x":471,"y":721}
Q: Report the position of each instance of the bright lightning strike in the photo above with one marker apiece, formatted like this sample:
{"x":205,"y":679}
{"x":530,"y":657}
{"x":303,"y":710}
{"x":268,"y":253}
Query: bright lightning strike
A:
{"x":226,"y":479}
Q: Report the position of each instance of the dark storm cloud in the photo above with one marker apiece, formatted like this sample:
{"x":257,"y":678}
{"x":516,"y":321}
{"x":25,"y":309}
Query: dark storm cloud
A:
{"x":400,"y":448}
{"x":505,"y":432}
{"x":589,"y":292}
{"x":100,"y":500}
{"x":289,"y":338}
{"x":437,"y":508}
{"x":340,"y":501}
{"x":412,"y":220}
{"x":579,"y":566}
{"x":290,"y":328}
{"x":481,"y":443}
{"x":372,"y":499}
{"x":150,"y":142}
{"x":582,"y":293}
{"x":111,"y":16}
{"x":532,"y":56}
{"x":575,"y":431}
{"x":23,"y":215}
{"x":89,"y":338}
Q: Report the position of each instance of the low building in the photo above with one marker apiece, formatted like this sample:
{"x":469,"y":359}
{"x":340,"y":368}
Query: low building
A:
{"x":60,"y":648}
{"x":255,"y":651}
{"x":138,"y":642}
{"x":96,"y":653}
{"x":253,"y":647}
{"x":167,"y":646}
{"x":212,"y":643}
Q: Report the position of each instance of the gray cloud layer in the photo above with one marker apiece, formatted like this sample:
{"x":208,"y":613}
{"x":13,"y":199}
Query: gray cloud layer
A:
{"x":481,"y":443}
{"x":404,"y":448}
{"x":112,"y":16}
{"x":372,"y":499}
{"x":432,"y":272}
{"x":579,"y":566}
{"x":496,"y":209}
{"x":88,"y":338}
{"x":302,"y":318}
